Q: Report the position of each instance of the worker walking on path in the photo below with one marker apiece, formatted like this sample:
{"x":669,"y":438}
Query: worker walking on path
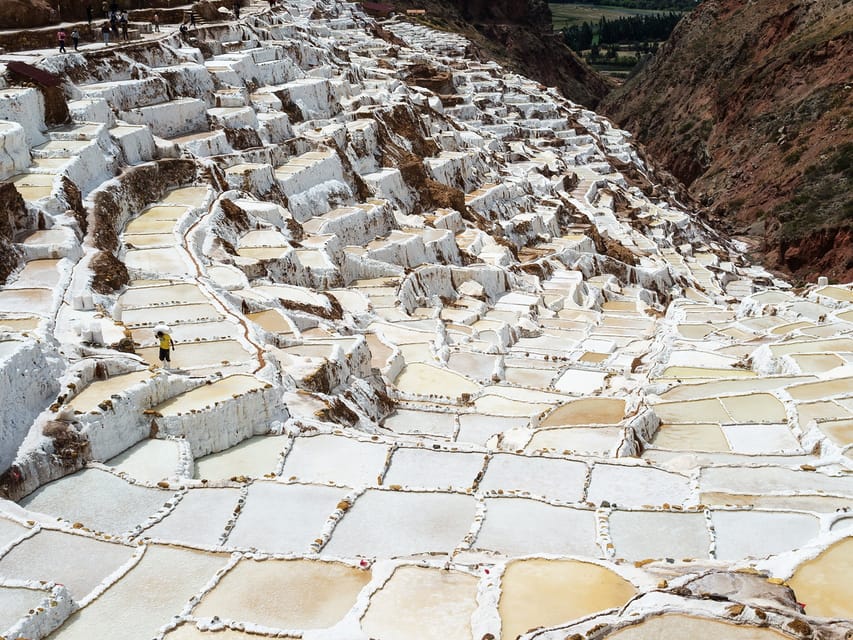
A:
{"x":61,"y":37}
{"x":166,"y":346}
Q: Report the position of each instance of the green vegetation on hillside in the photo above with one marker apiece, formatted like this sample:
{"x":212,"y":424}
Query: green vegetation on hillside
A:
{"x":824,"y":197}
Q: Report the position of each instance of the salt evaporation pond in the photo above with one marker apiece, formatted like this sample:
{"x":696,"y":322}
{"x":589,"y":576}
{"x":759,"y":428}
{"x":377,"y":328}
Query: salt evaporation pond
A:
{"x":542,"y":592}
{"x":423,"y":604}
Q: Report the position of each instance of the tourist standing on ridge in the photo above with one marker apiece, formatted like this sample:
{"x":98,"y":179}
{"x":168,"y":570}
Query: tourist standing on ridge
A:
{"x":75,"y":38}
{"x":105,"y":32}
{"x":166,"y":345}
{"x":61,"y":37}
{"x":155,"y":21}
{"x":123,"y":21}
{"x":192,"y":18}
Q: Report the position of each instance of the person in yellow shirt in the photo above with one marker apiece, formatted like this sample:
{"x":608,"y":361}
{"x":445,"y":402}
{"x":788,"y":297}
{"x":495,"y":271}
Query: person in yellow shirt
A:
{"x":166,"y":345}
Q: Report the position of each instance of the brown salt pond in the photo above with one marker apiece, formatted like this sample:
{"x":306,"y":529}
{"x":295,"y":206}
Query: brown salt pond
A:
{"x":691,"y":437}
{"x":271,"y":320}
{"x":542,"y":592}
{"x":824,"y":584}
{"x":27,"y":323}
{"x":586,"y":411}
{"x":670,"y":626}
{"x":285,"y":594}
{"x":418,"y":603}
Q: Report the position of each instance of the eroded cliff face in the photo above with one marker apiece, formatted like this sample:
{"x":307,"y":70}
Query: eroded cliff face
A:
{"x":751,"y":105}
{"x":518,"y":33}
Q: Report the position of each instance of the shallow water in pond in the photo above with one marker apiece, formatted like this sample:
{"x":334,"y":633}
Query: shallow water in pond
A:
{"x":586,"y":411}
{"x":670,"y":626}
{"x":422,"y":604}
{"x":691,"y":437}
{"x":100,"y":390}
{"x":308,"y":594}
{"x":549,"y":592}
{"x":824,"y":583}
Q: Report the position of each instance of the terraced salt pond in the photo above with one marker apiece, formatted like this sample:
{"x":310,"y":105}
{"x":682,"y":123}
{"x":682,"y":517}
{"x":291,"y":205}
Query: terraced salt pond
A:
{"x":386,"y":418}
{"x":316,"y":594}
{"x":541,"y":593}
{"x":673,"y":625}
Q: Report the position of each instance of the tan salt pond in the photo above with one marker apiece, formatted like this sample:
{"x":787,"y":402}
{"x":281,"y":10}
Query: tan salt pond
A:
{"x":835,"y":345}
{"x":149,"y":240}
{"x":586,"y":440}
{"x":821,"y":389}
{"x":586,"y":411}
{"x":424,"y":379}
{"x":670,"y":626}
{"x":379,"y":351}
{"x":757,"y":407}
{"x":824,"y":584}
{"x":836,"y":293}
{"x":189,"y":631}
{"x":207,"y":395}
{"x":285,"y":594}
{"x":696,"y":331}
{"x":701,"y":390}
{"x":820,"y":410}
{"x":549,"y":592}
{"x":27,"y":323}
{"x":840,"y":431}
{"x":144,"y":225}
{"x":706,"y":410}
{"x":419,"y":603}
{"x":192,"y":196}
{"x":146,"y":598}
{"x":817,"y":362}
{"x":31,"y":194}
{"x":691,"y":437}
{"x":100,"y":390}
{"x":270,"y":320}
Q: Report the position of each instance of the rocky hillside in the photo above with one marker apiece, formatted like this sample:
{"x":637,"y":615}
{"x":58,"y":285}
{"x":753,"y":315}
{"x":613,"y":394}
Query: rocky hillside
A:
{"x":518,"y":34}
{"x":750,"y":104}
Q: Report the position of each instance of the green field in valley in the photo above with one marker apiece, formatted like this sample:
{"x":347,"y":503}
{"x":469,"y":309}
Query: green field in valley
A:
{"x":566,"y":15}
